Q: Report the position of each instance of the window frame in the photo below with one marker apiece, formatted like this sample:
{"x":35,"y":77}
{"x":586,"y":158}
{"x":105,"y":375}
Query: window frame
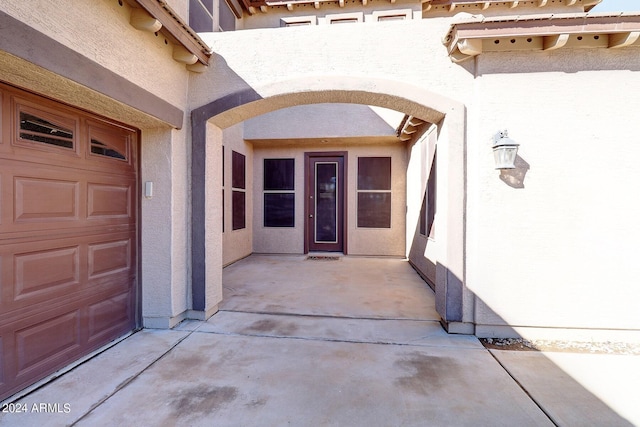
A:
{"x":362,"y":221}
{"x":238,"y":188}
{"x":278,"y":191}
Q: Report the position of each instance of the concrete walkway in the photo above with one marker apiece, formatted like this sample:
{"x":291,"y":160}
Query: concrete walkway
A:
{"x":354,"y":342}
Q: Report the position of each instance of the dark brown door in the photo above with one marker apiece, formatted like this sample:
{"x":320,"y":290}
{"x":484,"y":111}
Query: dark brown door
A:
{"x":68,"y":241}
{"x":324,"y":209}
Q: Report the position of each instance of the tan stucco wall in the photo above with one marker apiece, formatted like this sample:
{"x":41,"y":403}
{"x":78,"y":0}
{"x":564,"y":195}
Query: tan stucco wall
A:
{"x":289,"y":240}
{"x":553,"y":251}
{"x":357,"y":51}
{"x":100,"y":30}
{"x":163,"y":228}
{"x":360,"y":241}
{"x":140,"y":58}
{"x":557,"y":252}
{"x":236,"y":244}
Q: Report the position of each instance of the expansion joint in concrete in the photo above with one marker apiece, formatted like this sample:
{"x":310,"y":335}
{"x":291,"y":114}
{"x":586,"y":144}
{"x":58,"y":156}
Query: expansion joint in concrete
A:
{"x":128,"y":381}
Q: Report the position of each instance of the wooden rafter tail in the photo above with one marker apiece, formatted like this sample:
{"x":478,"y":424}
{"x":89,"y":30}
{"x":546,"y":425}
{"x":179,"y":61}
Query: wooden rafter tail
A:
{"x":253,"y":5}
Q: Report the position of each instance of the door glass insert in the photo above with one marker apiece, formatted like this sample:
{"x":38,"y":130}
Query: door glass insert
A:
{"x":326,"y":197}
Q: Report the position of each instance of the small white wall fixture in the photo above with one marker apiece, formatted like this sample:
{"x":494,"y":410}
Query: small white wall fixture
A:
{"x":504,"y":150}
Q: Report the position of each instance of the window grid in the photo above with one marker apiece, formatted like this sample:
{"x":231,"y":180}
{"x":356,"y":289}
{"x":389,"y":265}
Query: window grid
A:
{"x":373,"y":192}
{"x":278,"y":193}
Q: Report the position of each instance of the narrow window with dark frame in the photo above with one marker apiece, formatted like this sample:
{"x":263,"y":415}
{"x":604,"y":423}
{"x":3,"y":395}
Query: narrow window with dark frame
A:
{"x":279,"y":192}
{"x":374,"y":192}
{"x":428,"y":209}
{"x":238,"y":191}
{"x":223,"y":182}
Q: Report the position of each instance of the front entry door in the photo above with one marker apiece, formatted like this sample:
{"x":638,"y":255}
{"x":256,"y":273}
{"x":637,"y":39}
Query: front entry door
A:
{"x":324,"y":209}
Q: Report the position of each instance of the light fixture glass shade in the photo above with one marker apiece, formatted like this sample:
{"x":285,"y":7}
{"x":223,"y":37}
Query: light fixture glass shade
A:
{"x":505,"y":156}
{"x":505,"y":150}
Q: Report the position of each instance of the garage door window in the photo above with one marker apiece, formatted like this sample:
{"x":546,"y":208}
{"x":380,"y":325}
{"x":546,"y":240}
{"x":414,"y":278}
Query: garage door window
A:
{"x":102,"y":149}
{"x":38,"y":129}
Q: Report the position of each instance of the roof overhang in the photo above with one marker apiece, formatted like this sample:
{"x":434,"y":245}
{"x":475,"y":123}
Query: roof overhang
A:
{"x":458,"y":5}
{"x":477,"y":34}
{"x":174,"y":28}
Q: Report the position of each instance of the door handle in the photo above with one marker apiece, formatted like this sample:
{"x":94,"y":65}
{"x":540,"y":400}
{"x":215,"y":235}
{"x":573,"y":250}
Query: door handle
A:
{"x":310,"y":216}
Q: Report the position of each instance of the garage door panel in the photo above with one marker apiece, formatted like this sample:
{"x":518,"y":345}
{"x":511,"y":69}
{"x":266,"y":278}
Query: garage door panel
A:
{"x":109,"y":318}
{"x":107,"y":201}
{"x":68,"y":235}
{"x":109,"y":258}
{"x":2,"y":360}
{"x":60,"y":199}
{"x":43,"y":200}
{"x":41,"y":344}
{"x":65,"y":268}
{"x":47,"y":272}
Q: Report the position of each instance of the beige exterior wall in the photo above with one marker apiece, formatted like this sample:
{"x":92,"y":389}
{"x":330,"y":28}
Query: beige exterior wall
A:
{"x":367,"y":51}
{"x":139,"y":58}
{"x":236,"y":244}
{"x":360,"y":241}
{"x":281,"y":240}
{"x":548,"y":248}
{"x":550,"y":245}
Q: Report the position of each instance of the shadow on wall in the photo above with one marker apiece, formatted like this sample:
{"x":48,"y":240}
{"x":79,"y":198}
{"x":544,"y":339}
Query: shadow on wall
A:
{"x":568,"y":61}
{"x":514,"y":178}
{"x":562,"y":396}
{"x":560,"y":393}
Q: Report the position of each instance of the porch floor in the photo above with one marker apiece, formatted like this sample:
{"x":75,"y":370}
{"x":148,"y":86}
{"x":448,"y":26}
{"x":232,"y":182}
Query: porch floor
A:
{"x":350,"y":342}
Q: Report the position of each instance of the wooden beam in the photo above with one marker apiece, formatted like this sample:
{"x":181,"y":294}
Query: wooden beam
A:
{"x":470,"y":47}
{"x":555,"y":42}
{"x":571,"y":2}
{"x":141,"y":20}
{"x":623,"y":39}
{"x":176,"y":30}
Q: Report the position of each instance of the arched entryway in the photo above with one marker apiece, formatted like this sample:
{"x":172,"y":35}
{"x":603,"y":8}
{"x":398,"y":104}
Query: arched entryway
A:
{"x":454,"y":302}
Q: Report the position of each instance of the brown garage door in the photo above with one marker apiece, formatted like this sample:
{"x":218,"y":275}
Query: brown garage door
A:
{"x":68,"y":197}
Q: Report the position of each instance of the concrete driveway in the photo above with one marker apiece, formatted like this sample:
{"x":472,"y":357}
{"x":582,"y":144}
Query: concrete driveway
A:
{"x":348,"y":342}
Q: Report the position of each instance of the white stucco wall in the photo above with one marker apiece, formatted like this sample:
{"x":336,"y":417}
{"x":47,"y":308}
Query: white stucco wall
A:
{"x":557,"y":252}
{"x":357,"y":50}
{"x":421,"y":249}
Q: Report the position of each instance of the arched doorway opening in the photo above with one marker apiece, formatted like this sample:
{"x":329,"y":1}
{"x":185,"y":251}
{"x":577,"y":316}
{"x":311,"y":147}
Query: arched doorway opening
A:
{"x":453,"y":301}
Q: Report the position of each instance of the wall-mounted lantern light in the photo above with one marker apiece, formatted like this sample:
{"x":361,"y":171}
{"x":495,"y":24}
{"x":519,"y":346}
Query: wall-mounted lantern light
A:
{"x":504,"y":150}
